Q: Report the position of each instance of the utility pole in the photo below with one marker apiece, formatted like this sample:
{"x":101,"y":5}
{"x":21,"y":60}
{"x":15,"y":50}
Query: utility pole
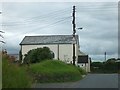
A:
{"x":74,"y":31}
{"x":105,"y":56}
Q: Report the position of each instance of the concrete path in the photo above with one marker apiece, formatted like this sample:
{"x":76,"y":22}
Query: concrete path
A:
{"x":90,"y":81}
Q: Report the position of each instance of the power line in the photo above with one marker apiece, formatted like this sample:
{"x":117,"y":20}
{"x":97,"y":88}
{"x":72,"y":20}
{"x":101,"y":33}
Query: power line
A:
{"x":88,"y":7}
{"x":25,"y":24}
{"x":50,"y":14}
{"x":46,"y":26}
{"x":49,"y":24}
{"x":52,"y":23}
{"x":41,"y":17}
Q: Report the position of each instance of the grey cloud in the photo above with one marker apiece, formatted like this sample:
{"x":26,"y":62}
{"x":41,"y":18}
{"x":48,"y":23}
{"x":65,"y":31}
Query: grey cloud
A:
{"x":99,"y":32}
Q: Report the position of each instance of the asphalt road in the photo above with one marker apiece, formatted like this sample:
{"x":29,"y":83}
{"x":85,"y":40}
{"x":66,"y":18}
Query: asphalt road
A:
{"x":89,"y":81}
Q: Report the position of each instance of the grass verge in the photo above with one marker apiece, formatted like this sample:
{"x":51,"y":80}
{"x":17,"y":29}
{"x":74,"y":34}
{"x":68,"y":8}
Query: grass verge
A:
{"x":14,"y":76}
{"x":55,"y":71}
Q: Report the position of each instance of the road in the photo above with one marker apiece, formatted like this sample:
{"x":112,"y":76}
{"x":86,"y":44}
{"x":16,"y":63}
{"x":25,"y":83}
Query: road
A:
{"x":89,"y":81}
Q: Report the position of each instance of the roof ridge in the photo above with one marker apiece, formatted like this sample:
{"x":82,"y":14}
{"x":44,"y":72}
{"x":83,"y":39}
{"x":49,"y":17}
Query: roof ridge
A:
{"x":50,"y":35}
{"x":48,"y":39}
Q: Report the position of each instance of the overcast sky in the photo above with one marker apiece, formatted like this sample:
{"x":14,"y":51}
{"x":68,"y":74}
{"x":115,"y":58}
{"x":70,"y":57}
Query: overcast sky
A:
{"x":98,"y":19}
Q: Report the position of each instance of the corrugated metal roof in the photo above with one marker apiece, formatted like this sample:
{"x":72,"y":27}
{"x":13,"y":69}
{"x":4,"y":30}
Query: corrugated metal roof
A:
{"x":48,"y":39}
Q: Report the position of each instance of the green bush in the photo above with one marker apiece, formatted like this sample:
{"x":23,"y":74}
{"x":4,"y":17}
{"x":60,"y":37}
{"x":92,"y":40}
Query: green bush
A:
{"x":55,"y":71}
{"x":14,"y":76}
{"x":82,"y":71}
{"x":110,"y":66}
{"x":37,"y":55}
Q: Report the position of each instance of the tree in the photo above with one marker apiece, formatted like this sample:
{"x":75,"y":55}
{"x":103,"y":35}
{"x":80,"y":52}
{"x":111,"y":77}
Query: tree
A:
{"x":20,"y":55}
{"x":97,"y":67}
{"x":112,"y":60}
{"x":38,"y":55}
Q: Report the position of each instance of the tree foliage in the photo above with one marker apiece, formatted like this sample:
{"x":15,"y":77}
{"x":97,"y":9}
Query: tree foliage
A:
{"x":20,"y":55}
{"x":38,"y":55}
{"x":109,"y":66}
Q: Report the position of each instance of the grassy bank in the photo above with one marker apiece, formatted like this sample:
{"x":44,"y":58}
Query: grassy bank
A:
{"x":55,"y":71}
{"x":14,"y":76}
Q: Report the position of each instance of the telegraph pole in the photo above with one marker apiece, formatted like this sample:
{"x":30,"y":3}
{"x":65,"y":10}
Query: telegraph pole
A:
{"x":105,"y":56}
{"x":74,"y":31}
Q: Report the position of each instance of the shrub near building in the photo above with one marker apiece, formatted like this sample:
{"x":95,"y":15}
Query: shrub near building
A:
{"x":38,"y":55}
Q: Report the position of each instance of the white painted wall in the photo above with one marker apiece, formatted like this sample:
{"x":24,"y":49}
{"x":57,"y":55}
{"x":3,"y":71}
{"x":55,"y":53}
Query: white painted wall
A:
{"x":26,"y":48}
{"x":65,"y":51}
{"x":89,"y":62}
{"x":86,"y":66}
